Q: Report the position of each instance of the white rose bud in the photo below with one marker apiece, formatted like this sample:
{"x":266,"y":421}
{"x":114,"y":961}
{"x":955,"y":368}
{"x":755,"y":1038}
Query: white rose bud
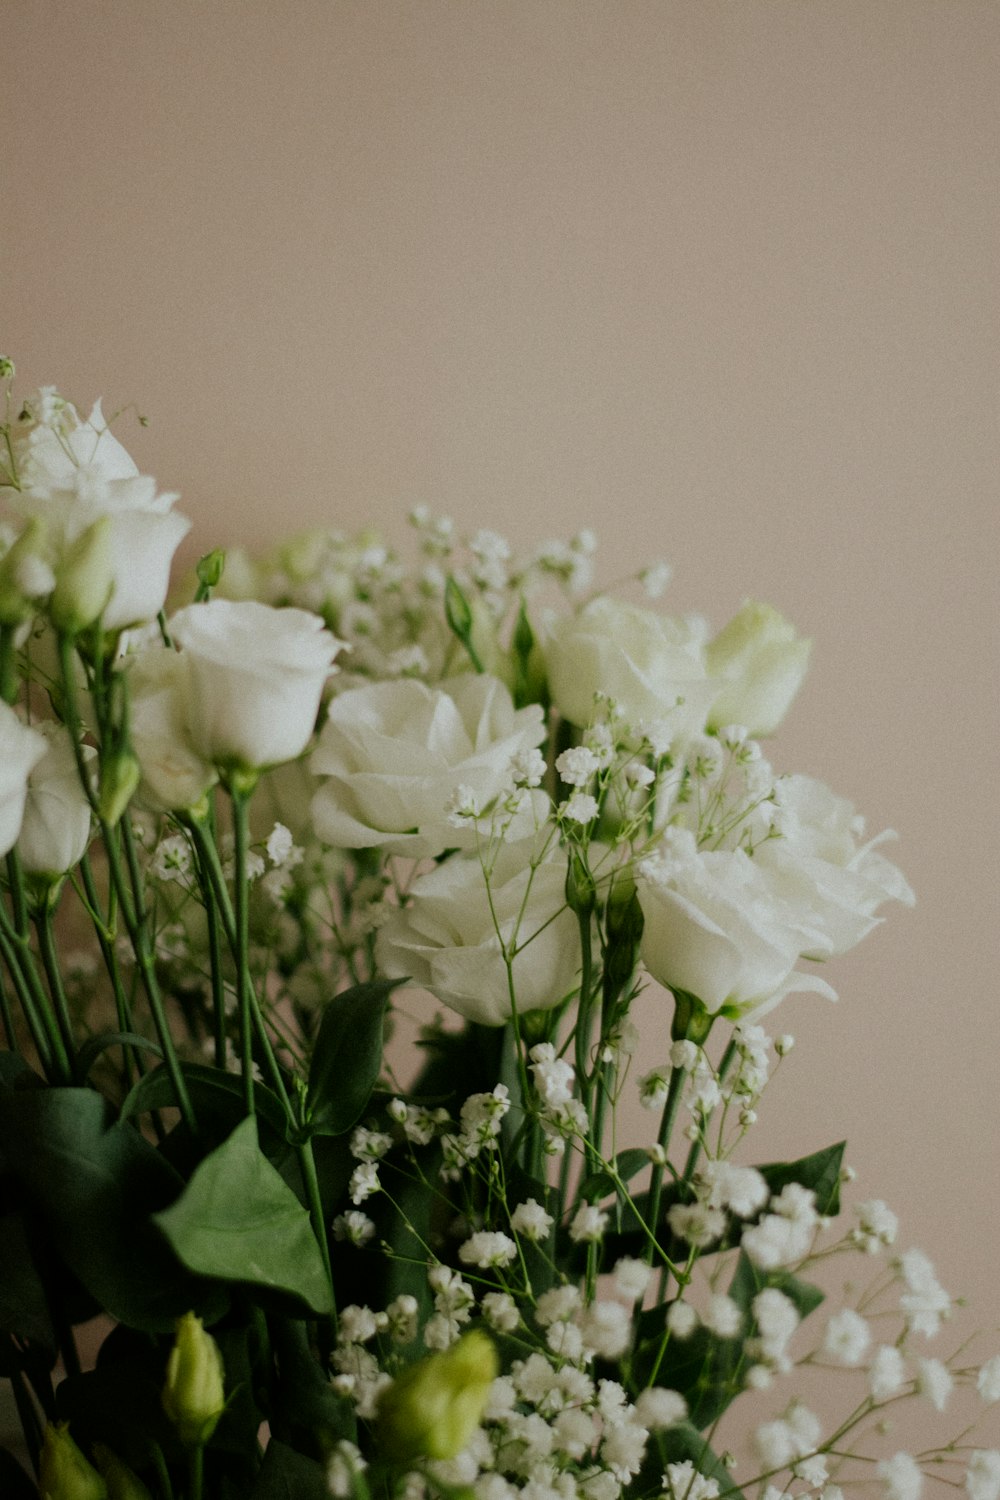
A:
{"x":254,"y":680}
{"x":173,"y":775}
{"x":758,"y":662}
{"x":445,"y":939}
{"x":652,"y":666}
{"x":20,"y":751}
{"x":56,"y":827}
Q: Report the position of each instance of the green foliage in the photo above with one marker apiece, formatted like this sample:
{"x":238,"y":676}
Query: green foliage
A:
{"x":347,"y":1057}
{"x":239,"y":1221}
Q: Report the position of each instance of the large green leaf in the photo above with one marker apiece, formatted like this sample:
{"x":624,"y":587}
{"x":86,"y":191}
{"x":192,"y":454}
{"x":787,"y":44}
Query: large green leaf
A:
{"x":347,"y":1057}
{"x":95,"y":1184}
{"x":820,"y":1172}
{"x":749,"y":1279}
{"x":24,"y":1309}
{"x":287,"y":1475}
{"x":239,"y":1221}
{"x":214,"y":1093}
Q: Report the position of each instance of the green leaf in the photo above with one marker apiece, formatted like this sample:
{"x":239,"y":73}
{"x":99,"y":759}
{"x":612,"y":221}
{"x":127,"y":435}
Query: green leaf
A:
{"x":704,"y":1368}
{"x":288,"y":1475}
{"x":212,"y":1092}
{"x":601,"y":1184}
{"x":96,"y":1184}
{"x":748,"y":1280}
{"x":237,"y":1220}
{"x":24,"y":1309}
{"x":684,"y":1441}
{"x":820,"y":1172}
{"x":347,"y":1057}
{"x":92,"y":1049}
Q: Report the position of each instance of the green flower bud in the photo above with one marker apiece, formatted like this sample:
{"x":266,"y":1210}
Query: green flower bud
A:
{"x":433,"y":1408}
{"x":120,"y":775}
{"x":209,"y":571}
{"x":194,"y":1397}
{"x":84,"y":579}
{"x":63,"y":1472}
{"x":581,"y":893}
{"x":121,"y":1482}
{"x":25,"y":575}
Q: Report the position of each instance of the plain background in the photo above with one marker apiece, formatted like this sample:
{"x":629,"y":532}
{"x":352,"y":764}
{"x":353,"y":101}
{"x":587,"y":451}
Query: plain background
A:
{"x":717,"y":280}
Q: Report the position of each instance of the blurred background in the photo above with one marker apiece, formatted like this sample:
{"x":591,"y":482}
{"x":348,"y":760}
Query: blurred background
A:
{"x":716,"y":280}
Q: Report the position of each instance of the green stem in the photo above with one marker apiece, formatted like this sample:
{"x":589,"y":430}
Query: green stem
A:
{"x":696,"y":1145}
{"x":197,"y":1470}
{"x":34,"y":1002}
{"x":670,"y":1108}
{"x":15,"y":877}
{"x":8,"y":1016}
{"x":241,"y":902}
{"x":50,"y":961}
{"x":307,"y":1163}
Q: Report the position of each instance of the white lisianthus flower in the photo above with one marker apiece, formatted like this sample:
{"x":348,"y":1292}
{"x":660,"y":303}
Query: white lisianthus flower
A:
{"x":20,"y":751}
{"x":716,"y":930}
{"x":254,"y":679}
{"x":395,"y":753}
{"x":75,"y":472}
{"x":56,"y":827}
{"x":758,"y":663}
{"x":450,"y":938}
{"x":651,"y":666}
{"x":174,"y":775}
{"x":818,"y":859}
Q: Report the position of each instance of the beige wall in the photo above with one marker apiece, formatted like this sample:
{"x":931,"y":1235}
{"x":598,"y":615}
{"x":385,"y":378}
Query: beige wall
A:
{"x":716,"y":279}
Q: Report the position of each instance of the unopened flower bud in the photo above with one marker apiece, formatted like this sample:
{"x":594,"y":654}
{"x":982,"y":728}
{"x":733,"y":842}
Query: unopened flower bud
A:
{"x":581,"y":894}
{"x":432,"y":1409}
{"x":121,"y":1482}
{"x":120,"y":775}
{"x":194,"y":1396}
{"x":63,"y":1472}
{"x":211,"y":568}
{"x":25,"y":576}
{"x":84,"y":579}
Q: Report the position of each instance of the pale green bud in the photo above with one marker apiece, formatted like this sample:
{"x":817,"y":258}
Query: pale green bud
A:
{"x":84,"y":579}
{"x":759,"y":663}
{"x":121,"y":1482}
{"x":25,"y":575}
{"x":433,"y":1408}
{"x":120,"y":775}
{"x":194,"y":1397}
{"x":63,"y":1472}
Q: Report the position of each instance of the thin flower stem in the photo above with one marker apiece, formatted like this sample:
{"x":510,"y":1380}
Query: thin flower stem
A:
{"x":307,"y":1163}
{"x":196,"y":1470}
{"x":45,"y":1034}
{"x":50,"y":961}
{"x":7,"y":1015}
{"x":241,"y":912}
{"x":670,"y":1108}
{"x":696,"y":1146}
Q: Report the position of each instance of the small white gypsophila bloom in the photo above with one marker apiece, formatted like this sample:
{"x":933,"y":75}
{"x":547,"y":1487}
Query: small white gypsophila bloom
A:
{"x":612,"y":1400}
{"x":462,"y":806}
{"x":623,"y":1448}
{"x":357,"y":1324}
{"x":886,"y":1373}
{"x":279,"y":844}
{"x":558,"y":1305}
{"x":580,"y":808}
{"x":877,"y":1226}
{"x":500,"y":1311}
{"x":606,"y":1328}
{"x":481,"y":1114}
{"x":599,"y":1484}
{"x":982,"y":1477}
{"x":685,"y":1054}
{"x":577,"y":766}
{"x":777,"y":1318}
{"x":452,"y":1293}
{"x":653,"y":1088}
{"x":364,"y":1181}
{"x":812,"y":1471}
{"x":657,"y":1408}
{"x":723,"y":1184}
{"x":354,"y":1226}
{"x":696,"y":1223}
{"x":988,"y":1379}
{"x":588,"y":1223}
{"x":565,"y":1341}
{"x":847,"y":1337}
{"x":171,"y":859}
{"x":575,"y":1432}
{"x":682,"y":1319}
{"x":723,"y":1317}
{"x":530,"y":1220}
{"x":934,"y":1380}
{"x":369,"y":1145}
{"x":902,"y":1477}
{"x":343,"y":1465}
{"x":488,"y":1248}
{"x":783,"y":1044}
{"x":638,"y":774}
{"x":632,"y":1278}
{"x":683,"y":1482}
{"x":536,"y":1381}
{"x":553,"y":1076}
{"x":528,"y":767}
{"x":925,"y":1302}
{"x":655,"y":578}
{"x":785,"y":1234}
{"x":401,"y":1318}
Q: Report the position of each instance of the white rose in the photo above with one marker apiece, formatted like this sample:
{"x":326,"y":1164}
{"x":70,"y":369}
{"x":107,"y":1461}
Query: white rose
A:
{"x":447,"y":940}
{"x":758,"y":663}
{"x":715,"y":928}
{"x":20,"y":751}
{"x":254,"y":679}
{"x":56,"y":827}
{"x":396,"y":752}
{"x":818,"y":860}
{"x":73,"y":473}
{"x":652,"y":666}
{"x":174,"y":775}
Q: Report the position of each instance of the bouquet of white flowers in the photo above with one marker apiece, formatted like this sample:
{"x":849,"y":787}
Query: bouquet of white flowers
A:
{"x":237,"y":838}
